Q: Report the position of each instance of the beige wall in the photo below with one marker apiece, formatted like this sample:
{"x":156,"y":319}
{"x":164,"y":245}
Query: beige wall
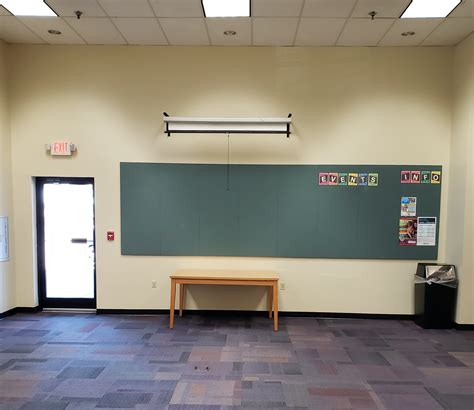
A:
{"x":350,"y":106}
{"x":460,"y":215}
{"x":7,"y":280}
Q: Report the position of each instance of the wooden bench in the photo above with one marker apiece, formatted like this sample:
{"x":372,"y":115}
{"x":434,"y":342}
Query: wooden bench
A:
{"x":224,"y":277}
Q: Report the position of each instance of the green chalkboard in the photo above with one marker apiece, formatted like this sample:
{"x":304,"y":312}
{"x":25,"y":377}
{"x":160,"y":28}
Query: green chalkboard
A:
{"x":269,"y":210}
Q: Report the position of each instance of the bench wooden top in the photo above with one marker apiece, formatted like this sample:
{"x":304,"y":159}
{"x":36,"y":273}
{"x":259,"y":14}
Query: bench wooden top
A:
{"x":225,"y":275}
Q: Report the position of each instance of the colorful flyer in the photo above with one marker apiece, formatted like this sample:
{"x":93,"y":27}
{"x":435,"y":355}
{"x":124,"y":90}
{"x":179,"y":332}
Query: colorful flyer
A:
{"x":415,"y":177}
{"x":426,"y":231}
{"x":408,"y":206}
{"x":407,"y":232}
{"x":342,"y":178}
{"x":373,"y":179}
{"x":425,"y":177}
{"x":435,"y":177}
{"x":333,"y":178}
{"x":353,"y":179}
{"x":405,"y":177}
{"x":363,"y":179}
{"x":323,"y":178}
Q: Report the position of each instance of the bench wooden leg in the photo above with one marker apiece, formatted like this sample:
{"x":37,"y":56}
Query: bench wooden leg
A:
{"x":182,"y":294}
{"x":270,"y":301}
{"x":275,"y":306}
{"x":172,"y":302}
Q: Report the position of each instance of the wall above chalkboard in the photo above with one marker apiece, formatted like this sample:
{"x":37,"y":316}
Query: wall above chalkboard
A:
{"x":269,"y":210}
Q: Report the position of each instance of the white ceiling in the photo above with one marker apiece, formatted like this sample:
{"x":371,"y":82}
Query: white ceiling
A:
{"x":273,"y":23}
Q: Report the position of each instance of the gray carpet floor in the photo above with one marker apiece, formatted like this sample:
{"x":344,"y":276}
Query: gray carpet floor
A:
{"x":84,"y":361}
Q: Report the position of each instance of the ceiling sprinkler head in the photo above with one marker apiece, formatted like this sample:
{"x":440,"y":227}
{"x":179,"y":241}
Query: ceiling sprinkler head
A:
{"x":78,"y":14}
{"x":373,"y":14}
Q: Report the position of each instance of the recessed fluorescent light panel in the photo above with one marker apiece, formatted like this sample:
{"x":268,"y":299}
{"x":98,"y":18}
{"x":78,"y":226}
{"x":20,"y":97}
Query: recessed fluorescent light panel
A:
{"x":430,"y":8}
{"x":226,"y":8}
{"x":28,"y":8}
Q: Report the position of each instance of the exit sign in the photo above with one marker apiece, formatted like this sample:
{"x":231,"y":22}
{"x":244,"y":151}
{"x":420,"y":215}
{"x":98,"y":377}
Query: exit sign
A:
{"x":60,"y":148}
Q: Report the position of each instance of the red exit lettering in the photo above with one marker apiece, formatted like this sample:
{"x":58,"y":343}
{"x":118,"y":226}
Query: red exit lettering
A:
{"x":60,"y":148}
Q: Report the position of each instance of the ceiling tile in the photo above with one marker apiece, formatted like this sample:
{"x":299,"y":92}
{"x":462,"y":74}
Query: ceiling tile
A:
{"x":421,"y":27}
{"x":89,"y":8}
{"x":241,"y":25}
{"x":185,"y":31}
{"x":450,"y":32}
{"x":319,"y":31}
{"x":96,"y":30}
{"x":127,"y":8}
{"x":13,"y":30}
{"x":41,"y":25}
{"x":328,"y":8}
{"x":276,"y":8}
{"x":364,"y":32}
{"x":384,"y":8}
{"x":177,"y":8}
{"x":142,"y":31}
{"x":465,"y":9}
{"x":276,"y":31}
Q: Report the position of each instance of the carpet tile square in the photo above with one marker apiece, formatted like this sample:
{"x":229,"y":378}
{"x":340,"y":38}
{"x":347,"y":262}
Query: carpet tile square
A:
{"x":80,"y":372}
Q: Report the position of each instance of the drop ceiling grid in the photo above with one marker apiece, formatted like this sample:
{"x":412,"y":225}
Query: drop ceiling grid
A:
{"x":108,"y":22}
{"x":207,"y":32}
{"x":41,"y":26}
{"x":424,"y":28}
{"x":159,"y":24}
{"x":345,"y":24}
{"x":299,"y":22}
{"x":14,"y":31}
{"x":87,"y":20}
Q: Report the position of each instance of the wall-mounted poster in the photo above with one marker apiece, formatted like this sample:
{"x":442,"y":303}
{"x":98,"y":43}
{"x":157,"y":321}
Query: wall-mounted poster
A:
{"x":415,"y":177}
{"x":342,"y":178}
{"x":405,"y":177}
{"x":373,"y":179}
{"x":353,"y":179}
{"x":4,"y":249}
{"x":333,"y":178}
{"x":323,"y":178}
{"x":407,"y":231}
{"x":425,"y":177}
{"x":435,"y":177}
{"x":426,"y":231}
{"x":408,"y":206}
{"x":363,"y":179}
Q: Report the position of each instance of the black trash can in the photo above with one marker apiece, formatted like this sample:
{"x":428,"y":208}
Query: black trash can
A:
{"x":435,"y":303}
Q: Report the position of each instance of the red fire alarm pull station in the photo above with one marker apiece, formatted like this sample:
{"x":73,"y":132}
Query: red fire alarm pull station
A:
{"x":110,"y":235}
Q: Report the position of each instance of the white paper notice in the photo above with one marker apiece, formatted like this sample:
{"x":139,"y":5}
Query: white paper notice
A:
{"x":426,"y":235}
{"x":4,"y":251}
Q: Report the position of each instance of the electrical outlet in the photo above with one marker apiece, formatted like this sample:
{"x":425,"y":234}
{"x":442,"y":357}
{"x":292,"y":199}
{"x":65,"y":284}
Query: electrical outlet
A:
{"x":282,"y":286}
{"x":153,"y":284}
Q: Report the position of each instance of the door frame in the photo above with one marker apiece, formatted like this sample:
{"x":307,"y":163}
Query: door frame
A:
{"x":68,"y":303}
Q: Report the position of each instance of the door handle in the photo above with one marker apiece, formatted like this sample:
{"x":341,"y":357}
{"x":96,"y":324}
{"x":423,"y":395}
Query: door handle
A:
{"x":78,"y":240}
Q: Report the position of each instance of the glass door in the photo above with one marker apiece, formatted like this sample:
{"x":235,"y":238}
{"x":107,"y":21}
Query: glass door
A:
{"x":66,"y":242}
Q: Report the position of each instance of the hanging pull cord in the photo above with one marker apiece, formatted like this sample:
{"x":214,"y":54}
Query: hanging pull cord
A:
{"x":228,"y":162}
